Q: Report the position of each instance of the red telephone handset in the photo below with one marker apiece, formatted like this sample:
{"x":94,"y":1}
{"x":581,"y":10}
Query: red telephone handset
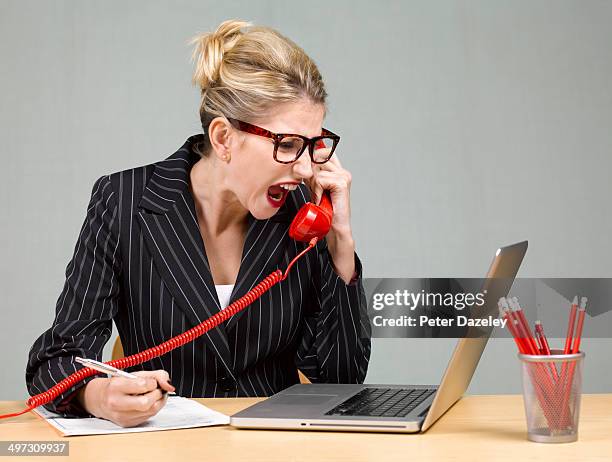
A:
{"x":313,"y":220}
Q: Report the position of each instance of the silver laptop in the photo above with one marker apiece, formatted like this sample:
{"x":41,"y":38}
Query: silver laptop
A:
{"x":384,"y":408}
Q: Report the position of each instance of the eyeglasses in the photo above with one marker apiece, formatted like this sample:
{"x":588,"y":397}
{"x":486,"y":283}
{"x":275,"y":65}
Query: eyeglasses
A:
{"x":288,"y":147}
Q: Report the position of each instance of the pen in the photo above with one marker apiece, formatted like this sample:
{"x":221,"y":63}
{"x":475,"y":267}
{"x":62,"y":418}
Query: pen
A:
{"x":110,"y":370}
{"x":101,"y":367}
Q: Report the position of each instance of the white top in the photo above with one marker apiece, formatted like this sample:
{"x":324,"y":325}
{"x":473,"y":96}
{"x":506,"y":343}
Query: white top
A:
{"x":224,"y":292}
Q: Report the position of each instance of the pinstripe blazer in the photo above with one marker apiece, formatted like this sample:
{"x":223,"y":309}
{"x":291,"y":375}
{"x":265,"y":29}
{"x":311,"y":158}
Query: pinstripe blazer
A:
{"x":140,"y":261}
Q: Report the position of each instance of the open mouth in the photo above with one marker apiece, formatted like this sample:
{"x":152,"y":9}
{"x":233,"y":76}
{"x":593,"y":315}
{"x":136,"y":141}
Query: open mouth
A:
{"x":277,"y":193}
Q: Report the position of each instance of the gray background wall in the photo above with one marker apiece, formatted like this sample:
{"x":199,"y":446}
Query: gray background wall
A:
{"x":466,"y":125}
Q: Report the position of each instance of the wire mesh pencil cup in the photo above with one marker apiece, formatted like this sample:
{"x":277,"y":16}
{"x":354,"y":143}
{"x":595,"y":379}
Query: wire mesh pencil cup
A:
{"x":552,"y":386}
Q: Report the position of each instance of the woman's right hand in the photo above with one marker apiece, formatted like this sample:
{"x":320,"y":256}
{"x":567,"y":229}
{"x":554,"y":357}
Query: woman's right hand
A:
{"x":125,"y":401}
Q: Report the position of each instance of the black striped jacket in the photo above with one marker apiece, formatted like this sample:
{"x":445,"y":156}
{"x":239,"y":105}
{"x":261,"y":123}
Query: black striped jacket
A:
{"x":140,"y":261}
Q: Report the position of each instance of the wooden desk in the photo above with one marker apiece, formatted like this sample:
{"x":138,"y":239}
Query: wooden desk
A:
{"x":476,"y":428}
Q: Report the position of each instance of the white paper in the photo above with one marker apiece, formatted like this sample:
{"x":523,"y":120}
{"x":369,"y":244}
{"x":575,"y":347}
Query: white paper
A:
{"x":178,"y":412}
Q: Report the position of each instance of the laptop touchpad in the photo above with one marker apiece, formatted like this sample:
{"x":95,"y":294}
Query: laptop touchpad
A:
{"x":304,"y":400}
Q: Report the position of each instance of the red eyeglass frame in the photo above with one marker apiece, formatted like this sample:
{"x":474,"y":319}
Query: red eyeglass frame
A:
{"x":310,"y":143}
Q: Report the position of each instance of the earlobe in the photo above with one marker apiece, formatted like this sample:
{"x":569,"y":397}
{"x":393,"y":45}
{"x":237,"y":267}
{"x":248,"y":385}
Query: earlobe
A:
{"x":218,"y":133}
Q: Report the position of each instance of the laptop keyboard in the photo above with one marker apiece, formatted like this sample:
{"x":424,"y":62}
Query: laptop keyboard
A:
{"x":383,"y":402}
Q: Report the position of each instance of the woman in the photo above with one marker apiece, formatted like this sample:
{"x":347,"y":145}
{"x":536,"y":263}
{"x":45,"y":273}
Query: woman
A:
{"x":167,"y":245}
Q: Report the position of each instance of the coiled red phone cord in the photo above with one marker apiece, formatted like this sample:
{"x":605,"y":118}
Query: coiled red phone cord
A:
{"x":169,"y":345}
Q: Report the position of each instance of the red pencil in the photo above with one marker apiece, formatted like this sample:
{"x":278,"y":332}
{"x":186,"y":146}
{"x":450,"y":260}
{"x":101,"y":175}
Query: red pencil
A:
{"x":568,"y":376}
{"x":511,"y":322}
{"x":570,"y":327}
{"x":539,"y":342}
{"x":540,"y":333}
{"x":533,"y":346}
{"x":512,"y":327}
{"x":578,"y":336}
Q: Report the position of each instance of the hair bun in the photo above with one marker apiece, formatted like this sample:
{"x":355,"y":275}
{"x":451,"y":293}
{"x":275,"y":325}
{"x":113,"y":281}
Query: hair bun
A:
{"x":209,"y":50}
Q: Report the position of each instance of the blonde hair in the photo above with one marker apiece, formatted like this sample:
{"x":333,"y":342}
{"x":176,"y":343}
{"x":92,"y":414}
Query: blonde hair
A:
{"x":243,"y":71}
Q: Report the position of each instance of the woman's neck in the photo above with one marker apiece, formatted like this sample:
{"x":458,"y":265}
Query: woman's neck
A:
{"x":217,"y":206}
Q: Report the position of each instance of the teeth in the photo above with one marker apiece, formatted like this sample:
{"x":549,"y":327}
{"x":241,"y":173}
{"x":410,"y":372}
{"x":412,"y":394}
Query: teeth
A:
{"x":289,"y":187}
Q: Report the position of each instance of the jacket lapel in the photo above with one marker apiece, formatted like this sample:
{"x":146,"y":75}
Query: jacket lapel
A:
{"x":264,"y":247}
{"x":169,"y":225}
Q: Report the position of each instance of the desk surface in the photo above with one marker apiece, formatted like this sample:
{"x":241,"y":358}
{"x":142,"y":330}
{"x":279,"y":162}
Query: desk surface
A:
{"x":476,"y":428}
